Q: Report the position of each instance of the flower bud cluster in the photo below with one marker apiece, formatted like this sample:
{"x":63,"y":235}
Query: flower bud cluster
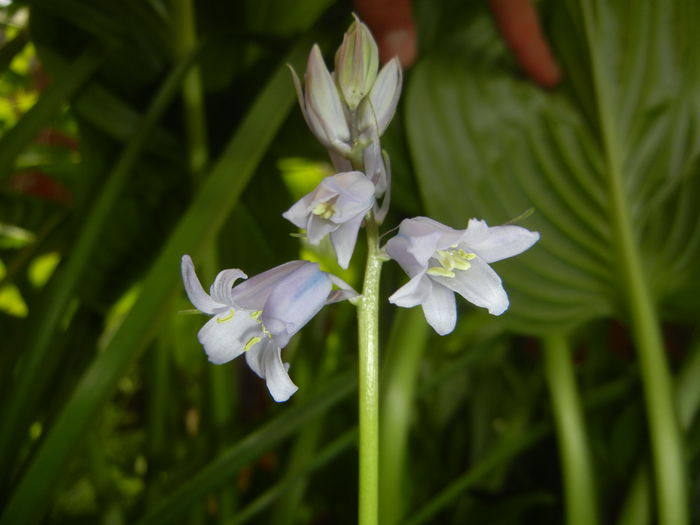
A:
{"x":348,"y":111}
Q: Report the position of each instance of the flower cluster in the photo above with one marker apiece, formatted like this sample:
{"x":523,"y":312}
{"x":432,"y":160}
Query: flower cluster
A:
{"x":348,"y":111}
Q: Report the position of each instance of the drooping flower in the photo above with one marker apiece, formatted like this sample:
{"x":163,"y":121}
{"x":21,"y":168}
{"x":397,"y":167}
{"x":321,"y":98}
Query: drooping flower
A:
{"x":337,"y":207}
{"x":260,"y":315}
{"x":441,"y":260}
{"x":321,"y":105}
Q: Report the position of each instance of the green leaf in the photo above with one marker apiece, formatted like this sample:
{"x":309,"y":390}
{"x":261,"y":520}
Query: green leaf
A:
{"x":196,"y":230}
{"x":488,"y":144}
{"x":48,"y":105}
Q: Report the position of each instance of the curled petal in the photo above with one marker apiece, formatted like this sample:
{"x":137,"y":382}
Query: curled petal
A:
{"x":493,"y":243}
{"x":479,"y":285}
{"x":221,"y":288}
{"x":226,"y":335}
{"x":196,"y":294}
{"x":294,"y":301}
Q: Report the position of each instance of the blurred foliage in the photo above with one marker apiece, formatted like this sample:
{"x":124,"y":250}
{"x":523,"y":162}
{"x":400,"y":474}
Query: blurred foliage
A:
{"x":111,"y":413}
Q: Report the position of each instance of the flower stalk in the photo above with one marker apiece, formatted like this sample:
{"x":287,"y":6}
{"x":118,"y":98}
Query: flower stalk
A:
{"x":368,"y":380}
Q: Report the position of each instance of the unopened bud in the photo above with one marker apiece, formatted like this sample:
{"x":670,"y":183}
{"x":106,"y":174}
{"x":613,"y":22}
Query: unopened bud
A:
{"x":356,"y":64}
{"x":379,"y":107}
{"x":321,"y":104}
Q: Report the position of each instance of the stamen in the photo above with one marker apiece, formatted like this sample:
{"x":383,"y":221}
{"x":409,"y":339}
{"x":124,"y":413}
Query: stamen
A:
{"x":256,"y":314}
{"x":228,"y":317}
{"x":325,"y":210}
{"x":451,"y":259}
{"x":442,"y":272}
{"x":252,"y":341}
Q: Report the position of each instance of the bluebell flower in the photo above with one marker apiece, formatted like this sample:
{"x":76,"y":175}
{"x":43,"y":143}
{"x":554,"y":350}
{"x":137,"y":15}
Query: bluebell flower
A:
{"x":441,"y":260}
{"x":337,"y":207}
{"x":259,"y":316}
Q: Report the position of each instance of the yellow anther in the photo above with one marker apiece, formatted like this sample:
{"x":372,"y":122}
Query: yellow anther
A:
{"x":451,"y":259}
{"x":252,"y":341}
{"x":325,"y":210}
{"x":256,"y":314}
{"x":228,"y":317}
{"x":442,"y":272}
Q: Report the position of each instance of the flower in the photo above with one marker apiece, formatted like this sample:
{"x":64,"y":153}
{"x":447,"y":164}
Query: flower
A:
{"x":440,"y":261}
{"x":321,"y":105}
{"x":356,"y":64}
{"x":337,"y":207}
{"x":260,"y":315}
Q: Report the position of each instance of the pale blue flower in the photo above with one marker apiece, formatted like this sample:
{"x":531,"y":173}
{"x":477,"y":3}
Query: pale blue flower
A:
{"x":441,"y":260}
{"x":260,"y":315}
{"x":337,"y":207}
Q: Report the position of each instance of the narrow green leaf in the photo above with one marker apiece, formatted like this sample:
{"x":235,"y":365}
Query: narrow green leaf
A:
{"x":48,"y":105}
{"x":27,"y":389}
{"x":198,"y":227}
{"x":212,"y":476}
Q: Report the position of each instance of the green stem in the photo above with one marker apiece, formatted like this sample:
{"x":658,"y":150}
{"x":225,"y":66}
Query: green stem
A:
{"x":368,"y":381}
{"x":666,"y":442}
{"x":579,"y":487}
{"x":192,"y":90}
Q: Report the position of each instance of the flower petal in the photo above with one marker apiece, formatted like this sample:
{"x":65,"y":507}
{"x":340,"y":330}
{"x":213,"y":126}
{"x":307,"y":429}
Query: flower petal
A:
{"x":345,"y":291}
{"x":298,"y":214}
{"x":226,"y":335}
{"x":221,"y":288}
{"x":344,"y":239}
{"x":355,"y":194}
{"x":385,"y":93}
{"x":440,"y":309}
{"x":397,"y":249}
{"x":196,"y":294}
{"x":253,"y":293}
{"x":427,"y":236}
{"x":317,"y":228}
{"x":323,"y":104}
{"x":479,"y":285}
{"x":266,"y":361}
{"x":414,"y":292}
{"x":497,"y":242}
{"x":294,"y":301}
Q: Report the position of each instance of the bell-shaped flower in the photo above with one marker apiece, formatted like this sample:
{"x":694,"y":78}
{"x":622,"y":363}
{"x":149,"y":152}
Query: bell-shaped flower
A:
{"x":321,"y":104}
{"x":337,"y":207}
{"x":441,"y":260}
{"x":259,"y":316}
{"x":356,"y":64}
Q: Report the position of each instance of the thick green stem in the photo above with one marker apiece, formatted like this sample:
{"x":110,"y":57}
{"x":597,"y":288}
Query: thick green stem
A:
{"x":368,"y":381}
{"x":666,"y":442}
{"x":579,"y":487}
